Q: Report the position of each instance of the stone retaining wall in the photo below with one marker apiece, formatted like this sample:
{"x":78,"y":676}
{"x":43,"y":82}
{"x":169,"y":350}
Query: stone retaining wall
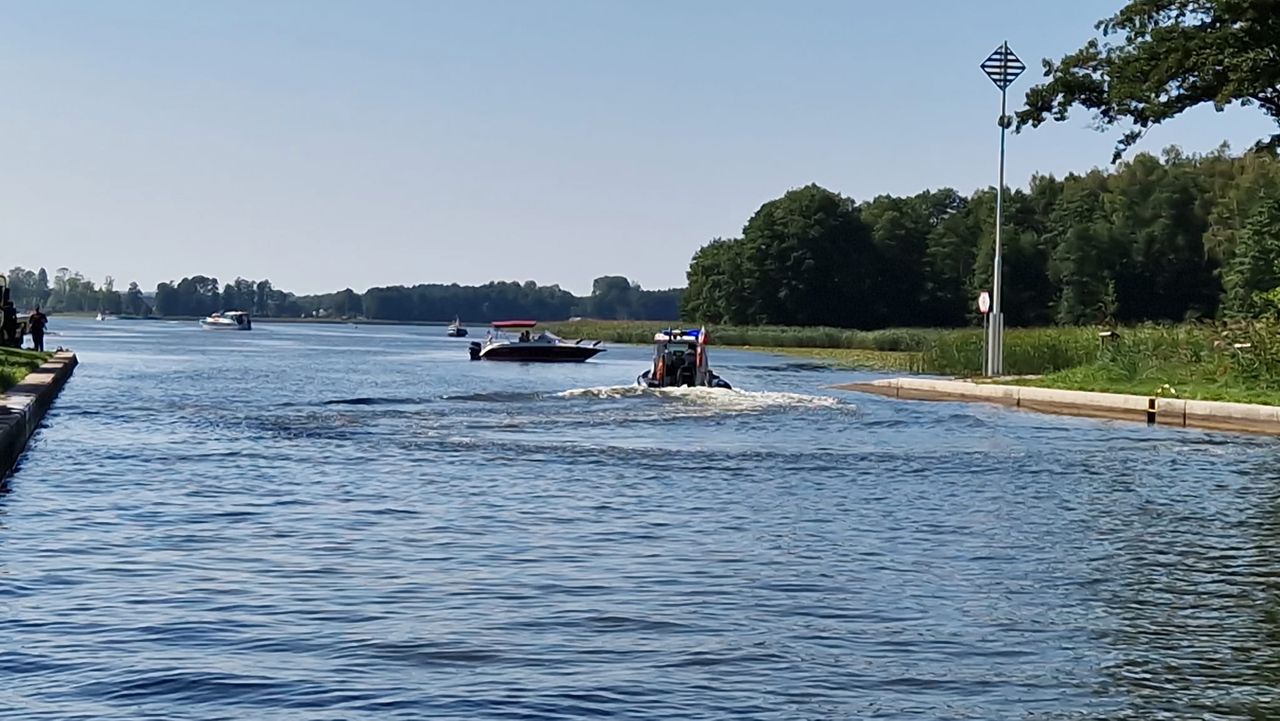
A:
{"x":23,"y":406}
{"x":1165,"y":411}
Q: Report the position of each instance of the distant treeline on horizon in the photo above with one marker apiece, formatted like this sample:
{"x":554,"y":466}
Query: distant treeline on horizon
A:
{"x":612,"y":297}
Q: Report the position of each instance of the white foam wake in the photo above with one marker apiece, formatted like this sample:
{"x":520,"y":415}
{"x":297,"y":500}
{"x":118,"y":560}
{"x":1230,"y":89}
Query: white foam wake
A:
{"x":719,"y":399}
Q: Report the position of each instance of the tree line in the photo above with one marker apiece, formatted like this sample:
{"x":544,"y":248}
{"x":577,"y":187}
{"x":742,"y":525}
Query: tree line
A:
{"x":71,"y":292}
{"x":1155,"y":238}
{"x":612,"y":297}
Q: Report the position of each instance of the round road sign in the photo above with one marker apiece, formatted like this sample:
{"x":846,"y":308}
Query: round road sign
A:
{"x":984,"y":302}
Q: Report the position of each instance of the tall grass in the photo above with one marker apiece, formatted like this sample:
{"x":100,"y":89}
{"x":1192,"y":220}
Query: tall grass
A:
{"x":949,"y":351}
{"x":1027,"y":351}
{"x":769,"y":336}
{"x":1223,"y":361}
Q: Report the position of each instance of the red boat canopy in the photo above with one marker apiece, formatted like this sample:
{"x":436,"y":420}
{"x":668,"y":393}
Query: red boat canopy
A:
{"x":514,"y":323}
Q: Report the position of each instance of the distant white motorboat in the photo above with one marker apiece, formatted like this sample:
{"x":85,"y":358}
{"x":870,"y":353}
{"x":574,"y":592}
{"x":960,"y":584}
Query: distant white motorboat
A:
{"x":228,"y":320}
{"x":104,"y":315}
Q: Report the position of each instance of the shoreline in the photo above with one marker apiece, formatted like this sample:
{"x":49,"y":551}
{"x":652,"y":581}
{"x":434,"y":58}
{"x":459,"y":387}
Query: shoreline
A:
{"x":1153,"y":410}
{"x":23,"y":407}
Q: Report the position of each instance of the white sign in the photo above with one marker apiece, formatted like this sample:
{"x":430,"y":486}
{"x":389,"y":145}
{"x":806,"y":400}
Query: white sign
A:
{"x":984,"y":302}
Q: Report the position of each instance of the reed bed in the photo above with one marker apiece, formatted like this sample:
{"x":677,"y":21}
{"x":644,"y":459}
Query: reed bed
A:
{"x":1210,"y":360}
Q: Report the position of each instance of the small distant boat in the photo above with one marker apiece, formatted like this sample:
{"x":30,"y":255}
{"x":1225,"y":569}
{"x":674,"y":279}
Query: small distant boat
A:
{"x":228,"y":320}
{"x":456,"y":330}
{"x":545,"y":347}
{"x":680,"y":359}
{"x":105,"y":315}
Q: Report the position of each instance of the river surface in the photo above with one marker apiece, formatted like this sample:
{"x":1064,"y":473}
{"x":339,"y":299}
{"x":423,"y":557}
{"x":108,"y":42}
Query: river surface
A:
{"x":340,"y":522}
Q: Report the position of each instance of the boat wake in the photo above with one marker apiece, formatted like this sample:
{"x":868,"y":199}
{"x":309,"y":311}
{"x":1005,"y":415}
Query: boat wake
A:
{"x":714,"y":399}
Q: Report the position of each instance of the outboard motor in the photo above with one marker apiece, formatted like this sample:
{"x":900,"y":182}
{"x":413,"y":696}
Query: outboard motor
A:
{"x":475,"y":347}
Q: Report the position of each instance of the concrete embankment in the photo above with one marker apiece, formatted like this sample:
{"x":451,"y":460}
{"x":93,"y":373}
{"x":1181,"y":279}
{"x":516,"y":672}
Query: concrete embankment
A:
{"x":23,"y":406}
{"x":1165,"y":411}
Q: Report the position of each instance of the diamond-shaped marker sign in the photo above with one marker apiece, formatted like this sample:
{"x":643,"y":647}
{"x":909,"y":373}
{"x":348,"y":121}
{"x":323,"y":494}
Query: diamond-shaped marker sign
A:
{"x":1003,"y":67}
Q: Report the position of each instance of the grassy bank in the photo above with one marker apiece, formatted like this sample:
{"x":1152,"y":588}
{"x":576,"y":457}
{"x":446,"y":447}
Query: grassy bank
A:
{"x":16,"y":364}
{"x":1206,"y":361}
{"x":1237,"y":362}
{"x":922,"y":350}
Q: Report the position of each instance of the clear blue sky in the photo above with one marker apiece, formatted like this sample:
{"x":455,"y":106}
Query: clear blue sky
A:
{"x":325,"y":144}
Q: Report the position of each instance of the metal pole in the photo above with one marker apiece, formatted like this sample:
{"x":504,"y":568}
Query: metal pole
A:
{"x":986,"y":351}
{"x":997,"y":315}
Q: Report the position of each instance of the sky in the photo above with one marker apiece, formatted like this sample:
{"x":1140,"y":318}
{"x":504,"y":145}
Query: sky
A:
{"x":327,"y":144}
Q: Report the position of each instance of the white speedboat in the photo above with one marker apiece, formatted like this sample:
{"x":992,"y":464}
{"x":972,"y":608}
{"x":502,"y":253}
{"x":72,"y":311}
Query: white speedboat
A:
{"x":456,"y":329}
{"x":104,"y":315}
{"x":545,"y":347}
{"x":228,"y":320}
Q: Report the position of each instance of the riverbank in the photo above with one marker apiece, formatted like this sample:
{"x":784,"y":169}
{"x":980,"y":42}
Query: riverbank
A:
{"x":1222,"y":362}
{"x":15,"y":364}
{"x":24,"y":404}
{"x":1152,"y":409}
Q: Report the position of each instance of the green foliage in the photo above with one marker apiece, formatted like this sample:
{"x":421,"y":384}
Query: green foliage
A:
{"x":1236,"y":361}
{"x":1159,"y":58}
{"x":888,"y":340}
{"x":614,"y":297}
{"x":1151,"y":240}
{"x":15,"y":364}
{"x":1254,"y":269}
{"x":28,"y":288}
{"x":806,"y":258}
{"x":135,"y":303}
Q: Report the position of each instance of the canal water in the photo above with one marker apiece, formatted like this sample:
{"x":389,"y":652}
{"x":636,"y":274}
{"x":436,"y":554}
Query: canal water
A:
{"x":356,"y":522}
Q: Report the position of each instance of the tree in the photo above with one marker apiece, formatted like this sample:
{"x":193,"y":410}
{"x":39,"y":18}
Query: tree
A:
{"x":262,"y":298}
{"x":42,"y":286}
{"x":810,"y":260}
{"x":23,"y":289}
{"x":1167,"y":57}
{"x":58,"y":297}
{"x":167,"y":300}
{"x":1254,"y":269}
{"x":900,"y":233}
{"x":613,"y":297}
{"x":1084,"y":259}
{"x":108,"y":299}
{"x":717,"y":289}
{"x":135,"y":303}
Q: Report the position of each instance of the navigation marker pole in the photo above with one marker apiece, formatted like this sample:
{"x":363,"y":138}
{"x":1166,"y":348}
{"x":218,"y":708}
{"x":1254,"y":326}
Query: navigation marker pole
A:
{"x":1003,"y":67}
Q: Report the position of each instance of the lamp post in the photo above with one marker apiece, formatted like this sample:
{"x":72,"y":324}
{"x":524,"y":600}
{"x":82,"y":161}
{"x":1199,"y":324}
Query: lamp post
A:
{"x":1003,"y":67}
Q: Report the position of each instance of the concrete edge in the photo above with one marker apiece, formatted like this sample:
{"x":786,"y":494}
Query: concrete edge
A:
{"x":22,"y":407}
{"x":1214,"y":415}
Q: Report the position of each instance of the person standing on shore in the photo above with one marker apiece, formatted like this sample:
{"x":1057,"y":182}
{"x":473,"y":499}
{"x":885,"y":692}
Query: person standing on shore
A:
{"x":37,"y":323}
{"x":9,"y":325}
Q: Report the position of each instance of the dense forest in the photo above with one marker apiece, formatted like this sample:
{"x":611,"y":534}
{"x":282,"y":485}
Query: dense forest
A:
{"x":1171,"y":238}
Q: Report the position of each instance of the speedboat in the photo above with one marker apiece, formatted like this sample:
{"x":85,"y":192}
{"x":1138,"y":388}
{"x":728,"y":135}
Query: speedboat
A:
{"x":105,"y":315}
{"x":456,"y":330}
{"x":680,"y":359}
{"x":227,"y":320}
{"x":545,"y":347}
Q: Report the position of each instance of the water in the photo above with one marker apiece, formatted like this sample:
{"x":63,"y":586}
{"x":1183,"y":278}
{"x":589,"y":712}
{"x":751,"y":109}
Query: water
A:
{"x":359,"y":523}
